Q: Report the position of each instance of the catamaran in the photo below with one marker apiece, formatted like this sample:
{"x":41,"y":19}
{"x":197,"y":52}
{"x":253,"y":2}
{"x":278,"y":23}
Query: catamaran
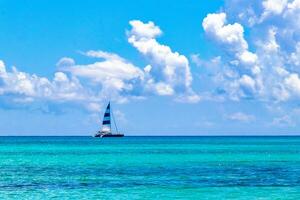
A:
{"x":106,"y":130}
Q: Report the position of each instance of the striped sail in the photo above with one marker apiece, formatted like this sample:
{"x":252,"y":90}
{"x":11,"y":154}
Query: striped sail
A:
{"x":106,"y":123}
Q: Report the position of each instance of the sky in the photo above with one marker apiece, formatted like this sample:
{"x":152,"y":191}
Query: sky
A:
{"x":218,"y":67}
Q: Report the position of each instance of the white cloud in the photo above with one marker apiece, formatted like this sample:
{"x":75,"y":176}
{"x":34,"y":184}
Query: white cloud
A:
{"x":148,"y":68}
{"x":113,"y":67}
{"x":212,"y":66}
{"x":294,"y":5}
{"x":292,"y":82}
{"x":170,"y":70}
{"x":60,"y":77}
{"x":242,"y":117}
{"x":270,"y":70}
{"x":247,"y":58}
{"x":273,"y":7}
{"x":230,"y":37}
{"x":247,"y":82}
{"x":24,"y":88}
{"x":190,"y":97}
{"x":104,"y":55}
{"x":112,"y":77}
{"x":283,"y":121}
{"x":144,"y":30}
{"x":163,"y":89}
{"x":196,"y":59}
{"x":2,"y":67}
{"x":295,"y":57}
{"x":94,"y":107}
{"x":270,"y":45}
{"x":22,"y":85}
{"x":65,"y":61}
{"x":240,"y":74}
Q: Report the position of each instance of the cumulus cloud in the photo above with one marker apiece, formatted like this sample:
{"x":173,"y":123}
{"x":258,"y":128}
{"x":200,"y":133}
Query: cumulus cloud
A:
{"x":170,"y":71}
{"x":167,"y":74}
{"x":111,"y":67}
{"x":25,"y":87}
{"x":240,"y":75}
{"x":247,"y":82}
{"x":230,"y":37}
{"x":266,"y":65}
{"x":273,"y":7}
{"x":87,"y":85}
{"x":144,"y":30}
{"x":292,"y":82}
{"x":109,"y":77}
{"x":113,"y":73}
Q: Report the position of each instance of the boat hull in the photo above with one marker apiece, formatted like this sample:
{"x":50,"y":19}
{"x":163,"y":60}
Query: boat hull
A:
{"x":109,"y":135}
{"x":114,"y":135}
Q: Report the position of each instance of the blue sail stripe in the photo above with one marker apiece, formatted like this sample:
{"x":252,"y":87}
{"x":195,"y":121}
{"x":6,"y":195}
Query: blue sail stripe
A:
{"x":106,"y":122}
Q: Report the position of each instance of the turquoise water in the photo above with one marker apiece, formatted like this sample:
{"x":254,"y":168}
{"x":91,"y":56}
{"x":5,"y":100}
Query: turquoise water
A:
{"x":150,"y":168}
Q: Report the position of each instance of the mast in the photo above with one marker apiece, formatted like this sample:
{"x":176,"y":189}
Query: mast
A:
{"x":112,"y":114}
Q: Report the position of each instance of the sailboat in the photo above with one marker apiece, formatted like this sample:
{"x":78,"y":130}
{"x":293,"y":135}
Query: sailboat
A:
{"x":106,"y":130}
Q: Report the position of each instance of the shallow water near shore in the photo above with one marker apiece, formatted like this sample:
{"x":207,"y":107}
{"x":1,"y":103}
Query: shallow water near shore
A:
{"x":150,"y":168}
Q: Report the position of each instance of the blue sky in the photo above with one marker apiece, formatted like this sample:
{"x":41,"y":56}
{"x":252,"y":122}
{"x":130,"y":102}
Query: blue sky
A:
{"x":169,"y":68}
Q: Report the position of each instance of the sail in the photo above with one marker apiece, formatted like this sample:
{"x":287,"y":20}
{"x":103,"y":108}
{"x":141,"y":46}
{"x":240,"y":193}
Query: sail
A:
{"x":106,"y":123}
{"x":106,"y":130}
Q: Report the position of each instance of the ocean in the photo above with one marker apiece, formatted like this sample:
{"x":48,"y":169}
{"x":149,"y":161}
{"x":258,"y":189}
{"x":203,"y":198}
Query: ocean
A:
{"x":150,"y":168}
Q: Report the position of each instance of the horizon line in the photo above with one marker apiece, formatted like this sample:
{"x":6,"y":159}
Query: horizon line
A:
{"x":261,"y":135}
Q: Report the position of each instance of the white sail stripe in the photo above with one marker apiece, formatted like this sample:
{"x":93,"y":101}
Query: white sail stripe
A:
{"x":105,"y":128}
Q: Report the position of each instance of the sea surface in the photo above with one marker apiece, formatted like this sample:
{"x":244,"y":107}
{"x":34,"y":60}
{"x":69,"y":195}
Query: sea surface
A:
{"x":150,"y":168}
